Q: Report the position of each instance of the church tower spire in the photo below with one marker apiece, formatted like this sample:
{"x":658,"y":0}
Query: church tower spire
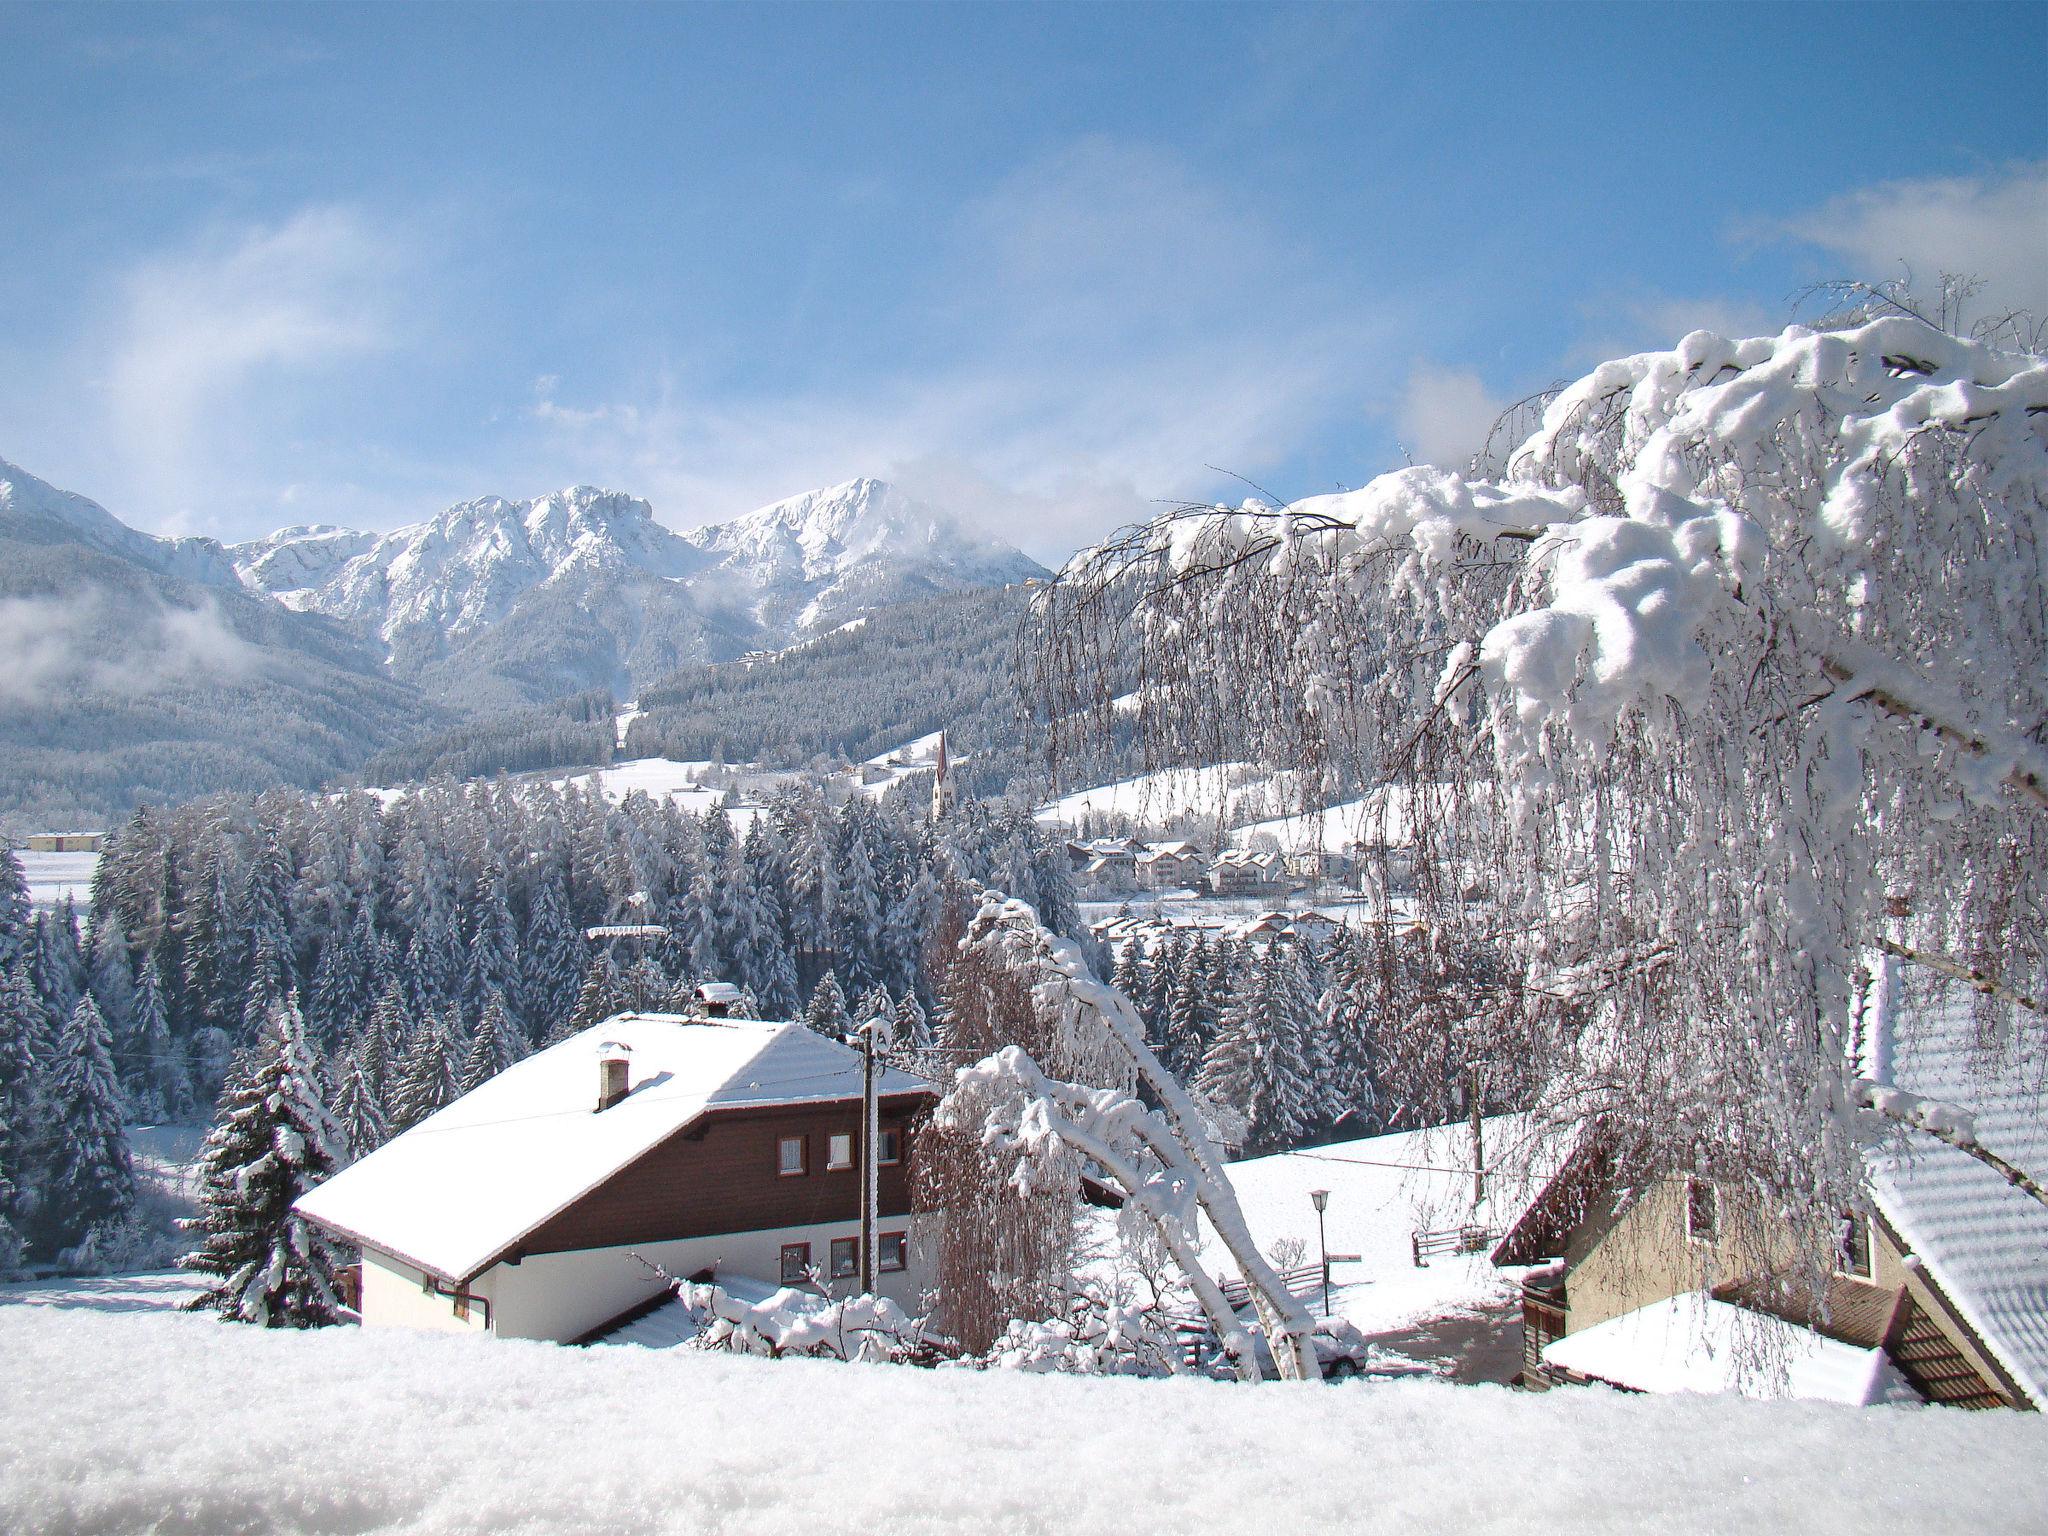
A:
{"x":942,"y":782}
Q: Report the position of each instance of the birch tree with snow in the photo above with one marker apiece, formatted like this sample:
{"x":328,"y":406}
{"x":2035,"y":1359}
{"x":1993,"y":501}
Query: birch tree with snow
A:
{"x":1737,"y":664}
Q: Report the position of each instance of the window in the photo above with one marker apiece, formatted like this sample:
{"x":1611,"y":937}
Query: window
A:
{"x":789,"y":1155}
{"x":1854,"y":1258}
{"x":796,"y":1263}
{"x":845,"y":1257}
{"x":892,"y":1250}
{"x":839,"y":1151}
{"x":889,"y":1145}
{"x":1702,"y":1210}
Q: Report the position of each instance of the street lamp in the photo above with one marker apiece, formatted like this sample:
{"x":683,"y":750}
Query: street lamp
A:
{"x":1321,"y":1197}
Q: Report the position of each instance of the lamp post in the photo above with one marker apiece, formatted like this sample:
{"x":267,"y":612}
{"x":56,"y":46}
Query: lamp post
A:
{"x":1321,"y":1197}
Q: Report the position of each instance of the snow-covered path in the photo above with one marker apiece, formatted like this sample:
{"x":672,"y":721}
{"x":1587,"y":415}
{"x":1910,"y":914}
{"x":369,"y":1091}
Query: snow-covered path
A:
{"x":141,"y":1421}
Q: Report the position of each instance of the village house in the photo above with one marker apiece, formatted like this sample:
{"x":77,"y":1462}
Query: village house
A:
{"x":1242,"y":872}
{"x":1940,"y":1290}
{"x":65,"y":842}
{"x":1166,"y":866}
{"x":537,"y":1205}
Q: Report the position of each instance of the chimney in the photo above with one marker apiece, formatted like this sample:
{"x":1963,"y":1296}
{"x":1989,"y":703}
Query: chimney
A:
{"x":612,"y":1064}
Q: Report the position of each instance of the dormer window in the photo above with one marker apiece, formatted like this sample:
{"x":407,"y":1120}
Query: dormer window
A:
{"x":1853,"y":1257}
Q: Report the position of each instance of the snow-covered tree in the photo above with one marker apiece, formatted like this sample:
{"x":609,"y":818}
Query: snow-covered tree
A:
{"x":152,"y":1066}
{"x":359,"y":1110}
{"x":604,"y":995}
{"x":426,"y":1078}
{"x":826,"y":1011}
{"x":494,"y":1046}
{"x":89,"y":1180}
{"x":274,"y":1141}
{"x":16,"y":915}
{"x":1740,"y":655}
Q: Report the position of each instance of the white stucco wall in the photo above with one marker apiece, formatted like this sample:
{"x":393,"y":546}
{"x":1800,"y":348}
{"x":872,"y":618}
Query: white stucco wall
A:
{"x":393,"y":1297}
{"x":560,"y":1296}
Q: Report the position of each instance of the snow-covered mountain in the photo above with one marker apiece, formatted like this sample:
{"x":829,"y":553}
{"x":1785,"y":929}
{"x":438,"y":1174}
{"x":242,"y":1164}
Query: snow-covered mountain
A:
{"x":141,"y":669}
{"x":818,"y":559}
{"x":498,"y":601}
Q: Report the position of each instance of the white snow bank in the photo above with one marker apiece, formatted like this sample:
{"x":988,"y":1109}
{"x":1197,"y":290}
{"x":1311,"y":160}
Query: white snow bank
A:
{"x":127,"y":1423}
{"x":1382,"y":1189}
{"x":1692,"y":1343}
{"x":53,"y":876}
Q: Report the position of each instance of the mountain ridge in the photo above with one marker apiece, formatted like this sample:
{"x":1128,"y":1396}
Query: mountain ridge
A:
{"x":507,"y":601}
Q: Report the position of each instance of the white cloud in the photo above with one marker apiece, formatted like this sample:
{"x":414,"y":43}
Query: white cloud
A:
{"x":84,"y":645}
{"x":204,"y":334}
{"x":1445,"y":414}
{"x":1104,"y":326}
{"x":1993,"y":227}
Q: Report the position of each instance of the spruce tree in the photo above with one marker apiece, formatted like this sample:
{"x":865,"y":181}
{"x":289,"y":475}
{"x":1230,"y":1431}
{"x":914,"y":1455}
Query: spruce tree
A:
{"x":90,"y":1181}
{"x":359,"y":1110}
{"x":426,"y":1079}
{"x":603,"y":995}
{"x":15,"y":914}
{"x":913,"y":1030}
{"x":494,"y":1046}
{"x":826,"y":1012}
{"x":152,"y":1066}
{"x":24,"y":1048}
{"x":274,"y":1141}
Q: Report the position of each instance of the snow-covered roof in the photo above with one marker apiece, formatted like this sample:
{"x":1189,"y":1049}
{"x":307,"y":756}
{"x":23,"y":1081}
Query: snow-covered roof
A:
{"x":467,"y":1183}
{"x":1982,"y":1242}
{"x":1693,"y":1343}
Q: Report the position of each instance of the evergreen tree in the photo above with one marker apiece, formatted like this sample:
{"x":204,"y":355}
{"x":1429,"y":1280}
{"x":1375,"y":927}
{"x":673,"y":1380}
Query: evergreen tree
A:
{"x":274,"y":1141}
{"x":913,"y":1030}
{"x":494,"y":1046}
{"x":874,"y":1003}
{"x":426,"y":1079}
{"x":493,"y":947}
{"x":359,"y":1110}
{"x":90,"y":1181}
{"x":827,"y":1010}
{"x":1258,"y":1064}
{"x":59,"y":961}
{"x":552,"y":956}
{"x":15,"y":914}
{"x":603,"y":995}
{"x":24,"y":1051}
{"x":152,"y":1067}
{"x":110,"y":978}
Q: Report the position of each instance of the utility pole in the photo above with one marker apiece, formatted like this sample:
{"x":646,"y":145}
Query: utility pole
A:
{"x":876,"y":1034}
{"x":1473,"y":1092}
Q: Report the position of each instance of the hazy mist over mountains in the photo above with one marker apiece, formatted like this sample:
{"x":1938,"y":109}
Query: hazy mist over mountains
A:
{"x":151,"y":668}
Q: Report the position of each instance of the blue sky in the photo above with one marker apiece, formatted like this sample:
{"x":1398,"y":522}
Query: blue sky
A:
{"x":1043,"y":263}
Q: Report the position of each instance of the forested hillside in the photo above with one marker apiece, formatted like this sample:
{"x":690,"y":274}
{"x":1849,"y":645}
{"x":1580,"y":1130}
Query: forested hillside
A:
{"x":138,"y":669}
{"x":890,"y":677}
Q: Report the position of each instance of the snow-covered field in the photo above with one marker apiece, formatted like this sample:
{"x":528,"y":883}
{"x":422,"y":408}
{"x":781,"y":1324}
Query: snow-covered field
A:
{"x":1228,"y":790}
{"x":53,"y":876}
{"x":153,"y":1421}
{"x":663,"y":778}
{"x":1382,"y":1189}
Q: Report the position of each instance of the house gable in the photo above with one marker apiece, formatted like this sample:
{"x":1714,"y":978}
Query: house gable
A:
{"x":719,"y":1174}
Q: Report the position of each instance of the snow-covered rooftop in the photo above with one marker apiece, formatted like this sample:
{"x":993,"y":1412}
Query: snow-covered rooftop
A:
{"x":465,"y":1184}
{"x":1693,"y":1343}
{"x":1984,"y":1242}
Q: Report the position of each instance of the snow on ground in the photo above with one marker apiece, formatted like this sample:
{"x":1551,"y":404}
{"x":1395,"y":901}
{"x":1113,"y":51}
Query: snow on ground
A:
{"x":1228,"y":790}
{"x":668,"y":778}
{"x":1381,"y":817}
{"x":1382,"y":1190}
{"x":53,"y":876}
{"x":146,"y":1421}
{"x":624,"y":719}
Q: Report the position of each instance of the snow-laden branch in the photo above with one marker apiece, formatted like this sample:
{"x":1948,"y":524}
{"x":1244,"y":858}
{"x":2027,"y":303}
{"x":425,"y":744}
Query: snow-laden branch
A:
{"x":1945,"y":1123}
{"x":1125,"y":1139}
{"x":1026,"y":1114}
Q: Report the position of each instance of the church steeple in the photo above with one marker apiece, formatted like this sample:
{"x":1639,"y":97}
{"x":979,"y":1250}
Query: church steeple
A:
{"x":942,"y":782}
